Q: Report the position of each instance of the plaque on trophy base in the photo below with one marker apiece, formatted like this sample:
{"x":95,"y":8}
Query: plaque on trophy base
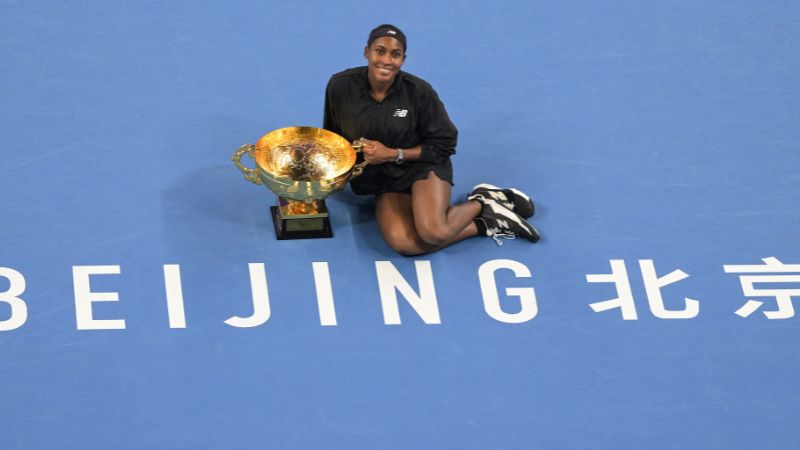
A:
{"x":301,"y":220}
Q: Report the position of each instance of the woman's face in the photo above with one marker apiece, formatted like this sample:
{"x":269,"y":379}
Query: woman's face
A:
{"x":384,"y":56}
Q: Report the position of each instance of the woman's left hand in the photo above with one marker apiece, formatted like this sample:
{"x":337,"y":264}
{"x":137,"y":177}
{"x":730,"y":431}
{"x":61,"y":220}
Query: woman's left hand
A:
{"x":376,"y":153}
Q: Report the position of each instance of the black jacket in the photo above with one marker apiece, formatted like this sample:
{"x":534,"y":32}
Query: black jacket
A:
{"x":410,"y":115}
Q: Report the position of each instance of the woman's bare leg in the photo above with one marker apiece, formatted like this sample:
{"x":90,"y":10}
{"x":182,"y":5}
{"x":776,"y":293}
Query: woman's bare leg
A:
{"x":424,"y":221}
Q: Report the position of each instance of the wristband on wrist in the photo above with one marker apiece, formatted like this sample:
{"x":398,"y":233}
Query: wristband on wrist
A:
{"x":399,"y":159}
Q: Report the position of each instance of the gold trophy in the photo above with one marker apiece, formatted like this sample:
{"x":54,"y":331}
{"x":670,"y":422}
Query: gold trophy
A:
{"x":302,"y":166}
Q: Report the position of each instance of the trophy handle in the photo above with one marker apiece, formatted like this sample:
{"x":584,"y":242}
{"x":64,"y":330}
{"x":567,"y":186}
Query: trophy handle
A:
{"x":358,"y":169}
{"x":250,"y":175}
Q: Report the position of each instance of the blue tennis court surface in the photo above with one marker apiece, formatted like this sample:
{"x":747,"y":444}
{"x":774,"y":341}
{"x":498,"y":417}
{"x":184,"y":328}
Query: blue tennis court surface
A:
{"x":145,"y":302}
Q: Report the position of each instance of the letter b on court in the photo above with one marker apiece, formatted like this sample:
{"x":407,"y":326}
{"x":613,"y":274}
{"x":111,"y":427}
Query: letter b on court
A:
{"x":19,"y":310}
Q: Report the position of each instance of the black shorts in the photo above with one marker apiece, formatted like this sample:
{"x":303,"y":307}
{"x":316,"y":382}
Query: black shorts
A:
{"x":391,"y":177}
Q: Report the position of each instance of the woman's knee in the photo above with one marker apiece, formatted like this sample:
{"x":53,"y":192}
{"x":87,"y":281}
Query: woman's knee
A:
{"x":402,"y":243}
{"x":433,"y":233}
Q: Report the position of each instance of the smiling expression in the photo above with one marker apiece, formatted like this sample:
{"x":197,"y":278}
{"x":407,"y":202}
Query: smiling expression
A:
{"x":385,"y":57}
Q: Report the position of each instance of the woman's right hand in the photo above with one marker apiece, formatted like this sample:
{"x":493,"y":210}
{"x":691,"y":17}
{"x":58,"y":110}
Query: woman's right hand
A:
{"x":377,"y":153}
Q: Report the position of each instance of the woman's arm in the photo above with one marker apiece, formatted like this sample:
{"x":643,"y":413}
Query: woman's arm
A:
{"x":439,"y":135}
{"x":376,"y":153}
{"x":329,"y":116}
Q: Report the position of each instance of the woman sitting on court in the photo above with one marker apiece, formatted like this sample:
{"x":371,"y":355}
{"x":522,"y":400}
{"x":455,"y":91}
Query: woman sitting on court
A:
{"x":408,"y":140}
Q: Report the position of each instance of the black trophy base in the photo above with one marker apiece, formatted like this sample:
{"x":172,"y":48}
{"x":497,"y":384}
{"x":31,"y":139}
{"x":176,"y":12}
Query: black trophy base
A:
{"x":300,"y":228}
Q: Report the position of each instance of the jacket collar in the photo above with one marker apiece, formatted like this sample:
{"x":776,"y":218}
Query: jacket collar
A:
{"x":398,"y":81}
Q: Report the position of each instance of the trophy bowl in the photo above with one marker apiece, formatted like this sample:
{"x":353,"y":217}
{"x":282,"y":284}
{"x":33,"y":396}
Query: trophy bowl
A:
{"x":302,"y":166}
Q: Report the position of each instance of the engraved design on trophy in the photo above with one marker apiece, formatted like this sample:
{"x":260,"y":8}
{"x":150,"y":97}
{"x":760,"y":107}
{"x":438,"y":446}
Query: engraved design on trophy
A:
{"x":302,"y":166}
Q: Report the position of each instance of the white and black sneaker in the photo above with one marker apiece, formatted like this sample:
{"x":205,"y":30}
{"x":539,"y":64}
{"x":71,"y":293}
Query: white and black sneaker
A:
{"x":513,"y":199}
{"x":501,"y":222}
